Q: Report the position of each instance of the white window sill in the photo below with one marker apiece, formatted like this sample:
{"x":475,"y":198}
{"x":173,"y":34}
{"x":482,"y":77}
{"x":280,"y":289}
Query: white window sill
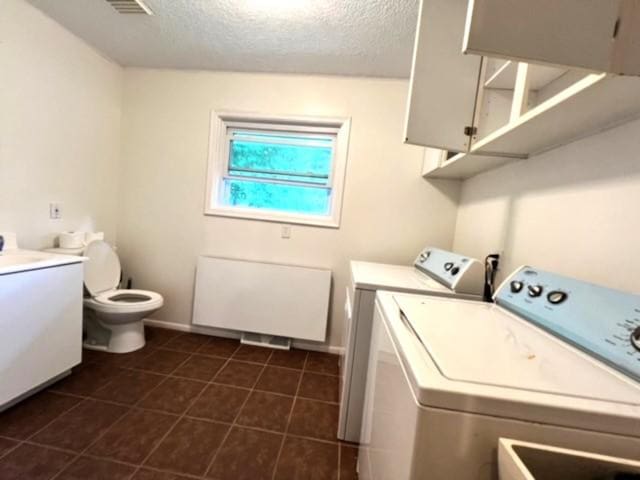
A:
{"x":274,"y":216}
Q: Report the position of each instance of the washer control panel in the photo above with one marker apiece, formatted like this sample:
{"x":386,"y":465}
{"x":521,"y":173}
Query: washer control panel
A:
{"x":600,"y":321}
{"x":449,"y":268}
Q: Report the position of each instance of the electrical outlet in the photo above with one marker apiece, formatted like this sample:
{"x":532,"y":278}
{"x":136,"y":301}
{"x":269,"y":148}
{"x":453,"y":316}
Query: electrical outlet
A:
{"x":55,"y":211}
{"x":286,"y":231}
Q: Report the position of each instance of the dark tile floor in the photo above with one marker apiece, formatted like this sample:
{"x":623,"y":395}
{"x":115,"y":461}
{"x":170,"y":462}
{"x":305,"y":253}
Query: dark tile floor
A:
{"x":185,"y":406}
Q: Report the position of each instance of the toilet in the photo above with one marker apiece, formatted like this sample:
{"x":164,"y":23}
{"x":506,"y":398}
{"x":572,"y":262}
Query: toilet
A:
{"x":113,"y":317}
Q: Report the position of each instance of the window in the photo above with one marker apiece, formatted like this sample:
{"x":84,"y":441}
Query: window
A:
{"x":288,"y":169}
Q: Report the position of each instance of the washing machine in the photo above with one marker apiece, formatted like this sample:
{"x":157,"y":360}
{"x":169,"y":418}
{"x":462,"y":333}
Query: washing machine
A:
{"x":554,"y":361}
{"x":434,"y":272}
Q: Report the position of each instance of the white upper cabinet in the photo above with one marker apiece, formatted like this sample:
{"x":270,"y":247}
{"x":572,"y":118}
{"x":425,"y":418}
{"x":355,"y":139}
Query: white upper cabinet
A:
{"x":600,"y":35}
{"x":495,"y":108}
{"x":444,"y":83}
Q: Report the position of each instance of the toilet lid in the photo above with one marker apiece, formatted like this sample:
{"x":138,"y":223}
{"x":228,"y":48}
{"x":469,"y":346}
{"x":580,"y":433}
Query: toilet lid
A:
{"x":102,"y":270}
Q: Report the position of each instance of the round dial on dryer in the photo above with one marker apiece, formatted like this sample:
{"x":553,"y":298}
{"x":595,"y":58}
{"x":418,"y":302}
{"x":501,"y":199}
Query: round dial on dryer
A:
{"x":635,"y":338}
{"x":557,"y":297}
{"x":516,"y":286}
{"x":455,"y":270}
{"x":448,"y":266}
{"x":535,"y":290}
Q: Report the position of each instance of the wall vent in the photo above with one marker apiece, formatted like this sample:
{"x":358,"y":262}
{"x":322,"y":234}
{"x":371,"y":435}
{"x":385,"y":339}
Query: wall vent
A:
{"x":130,"y":7}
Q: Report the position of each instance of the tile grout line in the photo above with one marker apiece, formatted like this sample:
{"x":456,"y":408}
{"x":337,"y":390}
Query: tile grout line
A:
{"x":234,"y":424}
{"x":172,"y":374}
{"x":155,"y":372}
{"x":78,"y":455}
{"x":11,"y":449}
{"x":254,"y":389}
{"x":86,"y":449}
{"x":27,"y":440}
{"x":265,"y":430}
{"x":324,"y":401}
{"x":136,"y":467}
{"x":21,"y":441}
{"x":125,"y":368}
{"x":326,"y":374}
{"x":129,"y":366}
{"x":170,"y":472}
{"x":167,"y":377}
{"x":286,"y":429}
{"x":114,"y":367}
{"x":302,"y":397}
{"x":89,"y":445}
{"x":50,"y":447}
{"x":183,"y":415}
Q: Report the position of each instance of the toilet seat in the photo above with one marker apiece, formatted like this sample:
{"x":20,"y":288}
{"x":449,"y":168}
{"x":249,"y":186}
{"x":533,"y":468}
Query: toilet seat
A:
{"x":117,"y":300}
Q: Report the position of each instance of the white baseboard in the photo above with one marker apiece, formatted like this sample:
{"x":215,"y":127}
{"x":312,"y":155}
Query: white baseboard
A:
{"x":218,"y":332}
{"x":181,"y":327}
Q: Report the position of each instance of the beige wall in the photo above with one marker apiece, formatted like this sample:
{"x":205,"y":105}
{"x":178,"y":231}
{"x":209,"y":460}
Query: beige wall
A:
{"x":573,"y":210}
{"x":389,"y":212}
{"x":60,"y":107}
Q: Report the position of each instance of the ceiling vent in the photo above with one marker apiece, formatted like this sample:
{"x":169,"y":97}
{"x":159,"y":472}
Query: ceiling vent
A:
{"x":130,"y":7}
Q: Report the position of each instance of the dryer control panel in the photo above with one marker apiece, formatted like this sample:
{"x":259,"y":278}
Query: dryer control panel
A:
{"x":457,"y":272}
{"x":603,"y":322}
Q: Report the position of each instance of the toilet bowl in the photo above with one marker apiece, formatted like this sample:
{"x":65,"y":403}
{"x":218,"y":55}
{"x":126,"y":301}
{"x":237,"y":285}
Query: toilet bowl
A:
{"x":113,"y":317}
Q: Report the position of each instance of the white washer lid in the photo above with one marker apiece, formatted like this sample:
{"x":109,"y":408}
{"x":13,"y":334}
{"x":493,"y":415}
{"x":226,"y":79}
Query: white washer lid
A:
{"x":102,"y":270}
{"x":401,"y":278}
{"x":482,"y":344}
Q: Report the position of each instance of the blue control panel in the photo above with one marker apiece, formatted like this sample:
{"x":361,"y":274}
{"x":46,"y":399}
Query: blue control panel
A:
{"x":602,"y":322}
{"x":447,"y":267}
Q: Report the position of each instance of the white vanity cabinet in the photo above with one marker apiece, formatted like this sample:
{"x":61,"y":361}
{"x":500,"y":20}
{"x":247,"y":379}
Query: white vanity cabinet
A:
{"x":488,"y":111}
{"x":41,"y":325}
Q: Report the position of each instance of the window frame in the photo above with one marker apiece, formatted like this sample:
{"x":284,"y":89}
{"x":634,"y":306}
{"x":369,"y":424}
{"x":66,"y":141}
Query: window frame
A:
{"x":222,"y":125}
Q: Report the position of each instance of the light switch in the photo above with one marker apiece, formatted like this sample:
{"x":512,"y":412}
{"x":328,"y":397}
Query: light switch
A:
{"x":286,"y":231}
{"x":55,"y":211}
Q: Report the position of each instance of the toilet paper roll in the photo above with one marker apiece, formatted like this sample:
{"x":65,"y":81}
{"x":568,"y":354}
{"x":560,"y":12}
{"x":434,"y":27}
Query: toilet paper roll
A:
{"x":71,"y":239}
{"x":92,"y":236}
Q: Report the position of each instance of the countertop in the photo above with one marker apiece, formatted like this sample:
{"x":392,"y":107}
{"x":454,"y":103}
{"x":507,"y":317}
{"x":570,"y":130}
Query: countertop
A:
{"x":17,"y":260}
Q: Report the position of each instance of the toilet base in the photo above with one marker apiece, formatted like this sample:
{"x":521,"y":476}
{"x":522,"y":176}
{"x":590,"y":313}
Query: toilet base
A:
{"x":113,"y":338}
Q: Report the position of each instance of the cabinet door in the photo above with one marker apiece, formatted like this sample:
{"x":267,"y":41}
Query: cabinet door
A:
{"x":43,"y":339}
{"x":601,"y":35}
{"x":444,"y":83}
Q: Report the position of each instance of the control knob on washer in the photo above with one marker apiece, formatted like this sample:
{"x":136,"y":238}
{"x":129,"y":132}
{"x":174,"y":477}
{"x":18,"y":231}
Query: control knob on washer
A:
{"x":448,"y":266}
{"x":535,"y":290}
{"x":557,"y":297}
{"x":516,"y":286}
{"x":635,"y":338}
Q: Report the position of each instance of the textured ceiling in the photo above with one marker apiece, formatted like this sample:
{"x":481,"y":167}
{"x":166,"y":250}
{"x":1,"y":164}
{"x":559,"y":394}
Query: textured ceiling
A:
{"x":335,"y":37}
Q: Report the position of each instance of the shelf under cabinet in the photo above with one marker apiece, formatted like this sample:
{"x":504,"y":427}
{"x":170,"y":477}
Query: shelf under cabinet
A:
{"x":504,"y":77}
{"x":465,"y":165}
{"x":593,"y":104}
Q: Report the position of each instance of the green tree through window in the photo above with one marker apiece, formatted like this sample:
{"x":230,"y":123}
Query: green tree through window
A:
{"x":289,"y":173}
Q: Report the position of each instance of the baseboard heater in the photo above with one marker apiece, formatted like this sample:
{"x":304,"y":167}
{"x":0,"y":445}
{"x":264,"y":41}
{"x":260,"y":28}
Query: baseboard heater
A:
{"x":268,"y":303}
